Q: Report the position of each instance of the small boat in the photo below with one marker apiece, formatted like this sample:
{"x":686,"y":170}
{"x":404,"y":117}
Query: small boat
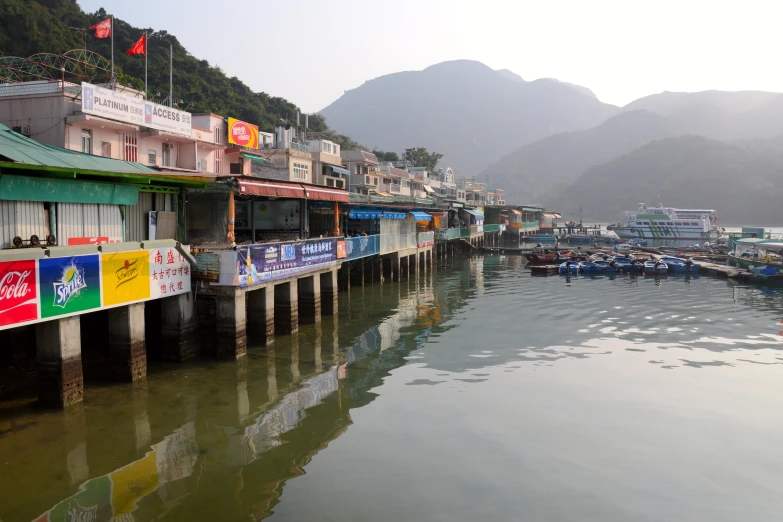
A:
{"x":637,"y":242}
{"x":677,"y":264}
{"x":589,"y":267}
{"x":628,"y":264}
{"x":569,"y":267}
{"x":655,"y":267}
{"x":545,"y":256}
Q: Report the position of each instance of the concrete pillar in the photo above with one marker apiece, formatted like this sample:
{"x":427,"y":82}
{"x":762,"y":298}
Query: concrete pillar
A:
{"x":286,"y":307}
{"x":329,"y":292}
{"x":309,"y":295}
{"x":128,"y":352}
{"x":59,"y":355}
{"x":231,"y":325}
{"x":344,"y":276}
{"x":395,"y":268}
{"x":357,"y":273}
{"x":178,"y":328}
{"x":261,"y":315}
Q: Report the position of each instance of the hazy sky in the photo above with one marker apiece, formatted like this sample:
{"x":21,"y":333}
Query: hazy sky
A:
{"x":310,"y":51}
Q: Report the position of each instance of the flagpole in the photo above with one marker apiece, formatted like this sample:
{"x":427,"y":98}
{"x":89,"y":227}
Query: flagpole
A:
{"x":112,"y":52}
{"x":171,"y":75}
{"x":146,"y":52}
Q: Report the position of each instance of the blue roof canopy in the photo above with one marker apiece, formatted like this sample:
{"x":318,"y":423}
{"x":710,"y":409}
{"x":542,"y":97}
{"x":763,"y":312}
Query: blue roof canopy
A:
{"x":365,"y":213}
{"x":420,"y":216}
{"x":392,"y":214}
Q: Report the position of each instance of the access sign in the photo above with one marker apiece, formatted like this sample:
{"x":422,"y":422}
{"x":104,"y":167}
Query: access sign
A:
{"x":242,"y":133}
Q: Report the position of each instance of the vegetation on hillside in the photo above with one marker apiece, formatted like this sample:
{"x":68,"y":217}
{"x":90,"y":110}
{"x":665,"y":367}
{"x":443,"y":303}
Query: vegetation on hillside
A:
{"x":33,"y":26}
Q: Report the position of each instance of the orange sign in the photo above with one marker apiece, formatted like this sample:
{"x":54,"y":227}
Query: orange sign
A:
{"x":242,"y":133}
{"x":342,"y":253}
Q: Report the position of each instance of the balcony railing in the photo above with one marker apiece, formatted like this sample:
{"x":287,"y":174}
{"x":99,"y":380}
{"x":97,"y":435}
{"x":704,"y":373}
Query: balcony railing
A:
{"x":447,"y":234}
{"x":530,"y":224}
{"x":491,"y":228}
{"x":464,"y":232}
{"x":364,"y":246}
{"x":426,"y":239}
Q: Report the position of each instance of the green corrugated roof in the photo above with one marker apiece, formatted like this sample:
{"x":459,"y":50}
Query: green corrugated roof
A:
{"x":21,"y":149}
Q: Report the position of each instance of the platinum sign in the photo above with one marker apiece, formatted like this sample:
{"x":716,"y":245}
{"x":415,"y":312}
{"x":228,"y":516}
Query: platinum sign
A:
{"x":116,"y":106}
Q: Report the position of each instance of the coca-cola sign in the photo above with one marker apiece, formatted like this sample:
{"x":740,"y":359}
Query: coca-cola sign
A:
{"x":18,"y":293}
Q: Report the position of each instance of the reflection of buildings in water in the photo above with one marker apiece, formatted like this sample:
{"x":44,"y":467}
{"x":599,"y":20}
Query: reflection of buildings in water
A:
{"x":477,"y":272}
{"x":389,"y":328}
{"x":115,"y":495}
{"x":265,"y":433}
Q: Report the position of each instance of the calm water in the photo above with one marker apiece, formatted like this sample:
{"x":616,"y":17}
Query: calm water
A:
{"x":481,"y":393}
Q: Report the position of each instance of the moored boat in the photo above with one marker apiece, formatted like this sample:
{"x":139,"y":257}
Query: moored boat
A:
{"x":677,"y":264}
{"x":655,"y":267}
{"x":668,"y":223}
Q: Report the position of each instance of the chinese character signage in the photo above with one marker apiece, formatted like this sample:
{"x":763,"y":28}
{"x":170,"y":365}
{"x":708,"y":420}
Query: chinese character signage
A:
{"x":69,"y":285}
{"x":126,"y":277}
{"x":261,"y":263}
{"x":169,"y":273}
{"x":18,"y":292}
{"x":342,"y":252}
{"x":242,"y":133}
{"x":117,"y":106}
{"x":49,"y":288}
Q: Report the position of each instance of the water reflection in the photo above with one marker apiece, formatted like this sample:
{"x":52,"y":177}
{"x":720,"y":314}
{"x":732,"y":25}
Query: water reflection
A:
{"x":231,"y":436}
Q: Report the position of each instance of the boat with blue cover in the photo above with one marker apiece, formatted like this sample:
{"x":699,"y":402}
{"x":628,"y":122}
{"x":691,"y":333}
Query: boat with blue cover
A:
{"x":677,"y":264}
{"x":589,"y":267}
{"x":655,"y":267}
{"x":569,"y":267}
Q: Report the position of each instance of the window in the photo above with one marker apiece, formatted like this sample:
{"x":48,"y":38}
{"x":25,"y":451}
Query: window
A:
{"x":366,"y":180}
{"x":218,"y":135}
{"x":167,"y":154}
{"x":106,"y":149}
{"x":131,"y":148}
{"x":87,"y":141}
{"x":218,"y":162}
{"x":301,"y":171}
{"x":152,"y":157}
{"x":329,"y":182}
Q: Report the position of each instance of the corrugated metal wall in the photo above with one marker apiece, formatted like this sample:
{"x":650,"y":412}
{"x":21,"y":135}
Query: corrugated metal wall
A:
{"x":87,"y":220}
{"x":137,"y":218}
{"x":23,"y":219}
{"x":110,"y":219}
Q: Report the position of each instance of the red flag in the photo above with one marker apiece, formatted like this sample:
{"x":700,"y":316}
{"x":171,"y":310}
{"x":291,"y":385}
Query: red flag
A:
{"x":140,"y":47}
{"x":102,"y":29}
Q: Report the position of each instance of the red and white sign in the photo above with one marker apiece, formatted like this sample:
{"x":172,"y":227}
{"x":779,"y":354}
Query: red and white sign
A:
{"x":18,"y":292}
{"x":169,"y":273}
{"x":100,"y":240}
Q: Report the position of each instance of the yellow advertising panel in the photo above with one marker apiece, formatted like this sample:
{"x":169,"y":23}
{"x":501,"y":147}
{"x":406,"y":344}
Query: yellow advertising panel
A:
{"x":126,"y":277}
{"x":131,"y":483}
{"x":242,"y":133}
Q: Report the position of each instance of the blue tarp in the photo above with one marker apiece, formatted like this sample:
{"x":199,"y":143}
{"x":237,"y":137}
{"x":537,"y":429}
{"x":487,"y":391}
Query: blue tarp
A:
{"x":420,"y":216}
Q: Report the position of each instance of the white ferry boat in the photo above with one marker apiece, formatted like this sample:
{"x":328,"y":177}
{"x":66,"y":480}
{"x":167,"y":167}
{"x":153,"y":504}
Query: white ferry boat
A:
{"x":669,"y":223}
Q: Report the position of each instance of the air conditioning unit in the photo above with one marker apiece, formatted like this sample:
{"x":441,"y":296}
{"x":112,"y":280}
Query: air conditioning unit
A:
{"x":24,"y":130}
{"x":169,"y":146}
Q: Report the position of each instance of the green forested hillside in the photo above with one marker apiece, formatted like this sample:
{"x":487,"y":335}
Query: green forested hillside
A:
{"x":33,"y":26}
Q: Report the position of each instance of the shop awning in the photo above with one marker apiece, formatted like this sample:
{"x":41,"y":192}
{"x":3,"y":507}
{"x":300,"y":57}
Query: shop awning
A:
{"x":391,"y":214}
{"x":254,"y":158}
{"x":325,"y":194}
{"x":271,"y":188}
{"x":282,"y":189}
{"x":475,"y":213}
{"x":365,"y":213}
{"x":428,"y":189}
{"x":339,"y":170}
{"x":420,"y":216}
{"x":515,"y":212}
{"x":28,"y":188}
{"x":553,"y":215}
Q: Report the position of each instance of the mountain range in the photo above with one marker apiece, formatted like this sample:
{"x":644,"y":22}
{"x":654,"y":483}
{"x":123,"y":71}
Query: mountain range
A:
{"x":557,"y":144}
